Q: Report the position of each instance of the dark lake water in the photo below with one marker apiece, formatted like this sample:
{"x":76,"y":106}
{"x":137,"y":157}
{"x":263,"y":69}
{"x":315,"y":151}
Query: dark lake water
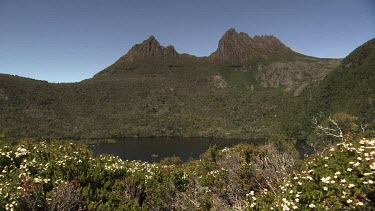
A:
{"x":154,"y":149}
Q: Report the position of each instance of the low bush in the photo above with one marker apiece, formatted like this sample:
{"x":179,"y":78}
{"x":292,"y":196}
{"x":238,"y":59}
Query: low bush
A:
{"x":57,"y":175}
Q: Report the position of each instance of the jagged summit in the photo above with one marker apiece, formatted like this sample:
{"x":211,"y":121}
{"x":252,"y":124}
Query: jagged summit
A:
{"x":151,"y":38}
{"x":234,"y":47}
{"x":231,"y":32}
{"x":149,"y":48}
{"x":240,"y":47}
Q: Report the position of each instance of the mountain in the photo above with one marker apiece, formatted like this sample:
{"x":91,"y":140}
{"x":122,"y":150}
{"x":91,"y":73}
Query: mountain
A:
{"x":241,"y":90}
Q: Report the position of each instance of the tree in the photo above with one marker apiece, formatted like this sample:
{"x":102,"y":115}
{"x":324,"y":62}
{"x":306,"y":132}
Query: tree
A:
{"x":339,"y":126}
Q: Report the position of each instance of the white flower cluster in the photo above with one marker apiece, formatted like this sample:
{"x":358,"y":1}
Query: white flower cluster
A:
{"x":363,"y":158}
{"x":21,"y":151}
{"x":32,"y":162}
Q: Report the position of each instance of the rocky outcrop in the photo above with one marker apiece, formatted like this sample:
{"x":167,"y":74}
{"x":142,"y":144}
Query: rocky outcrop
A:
{"x":300,"y":89}
{"x":296,"y":73}
{"x":218,"y":81}
{"x":240,"y":47}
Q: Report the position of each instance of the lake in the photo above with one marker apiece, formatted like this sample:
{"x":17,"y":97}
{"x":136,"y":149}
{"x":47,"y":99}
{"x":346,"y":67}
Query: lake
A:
{"x":154,"y":149}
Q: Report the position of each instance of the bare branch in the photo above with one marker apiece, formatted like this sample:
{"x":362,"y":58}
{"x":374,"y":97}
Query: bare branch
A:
{"x":335,"y":132}
{"x":363,"y":127}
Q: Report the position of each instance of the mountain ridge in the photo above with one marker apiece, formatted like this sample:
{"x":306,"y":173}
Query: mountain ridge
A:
{"x":235,"y":48}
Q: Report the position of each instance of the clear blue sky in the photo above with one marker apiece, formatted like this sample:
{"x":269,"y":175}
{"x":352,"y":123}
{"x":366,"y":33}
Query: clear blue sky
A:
{"x":71,"y":40}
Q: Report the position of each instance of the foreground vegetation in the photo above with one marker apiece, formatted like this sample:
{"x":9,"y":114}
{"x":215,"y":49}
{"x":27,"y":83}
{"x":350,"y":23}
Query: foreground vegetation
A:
{"x":55,"y":175}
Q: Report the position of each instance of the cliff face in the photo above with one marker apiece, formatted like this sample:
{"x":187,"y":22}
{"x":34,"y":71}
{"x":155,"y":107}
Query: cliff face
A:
{"x":295,"y":74}
{"x":233,"y":46}
{"x":240,"y":47}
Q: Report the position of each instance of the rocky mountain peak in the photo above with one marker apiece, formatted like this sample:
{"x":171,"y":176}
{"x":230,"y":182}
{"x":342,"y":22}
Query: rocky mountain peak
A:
{"x":232,"y":46}
{"x":230,"y":32}
{"x":152,"y":39}
{"x":240,"y":47}
{"x":149,"y":48}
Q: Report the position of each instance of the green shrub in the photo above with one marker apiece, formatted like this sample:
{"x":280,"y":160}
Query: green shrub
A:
{"x":341,"y":177}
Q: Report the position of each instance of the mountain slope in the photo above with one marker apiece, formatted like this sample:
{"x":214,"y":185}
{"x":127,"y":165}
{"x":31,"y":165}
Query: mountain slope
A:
{"x":155,"y":91}
{"x":349,"y":88}
{"x":353,"y":80}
